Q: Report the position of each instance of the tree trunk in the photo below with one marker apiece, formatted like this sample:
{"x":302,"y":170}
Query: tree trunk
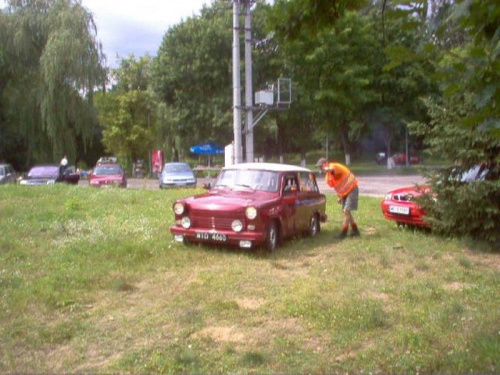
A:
{"x":302,"y":157}
{"x":344,"y":136}
{"x":387,"y":138}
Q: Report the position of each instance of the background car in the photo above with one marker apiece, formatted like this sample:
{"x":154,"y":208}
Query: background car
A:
{"x":380,"y":158}
{"x":252,"y":204}
{"x":50,"y":174}
{"x":177,"y":175}
{"x":108,"y":175}
{"x":400,"y":159}
{"x":400,"y":204}
{"x":7,"y":174}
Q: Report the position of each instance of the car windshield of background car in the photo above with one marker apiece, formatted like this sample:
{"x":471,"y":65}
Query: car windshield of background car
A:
{"x":177,"y":168}
{"x":104,"y":170}
{"x":2,"y":171}
{"x":253,"y":179}
{"x":478,"y":172}
{"x":44,"y":172}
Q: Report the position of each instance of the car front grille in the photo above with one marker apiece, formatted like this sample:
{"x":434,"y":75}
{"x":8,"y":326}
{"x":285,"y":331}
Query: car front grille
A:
{"x":207,"y":220}
{"x":402,"y":197}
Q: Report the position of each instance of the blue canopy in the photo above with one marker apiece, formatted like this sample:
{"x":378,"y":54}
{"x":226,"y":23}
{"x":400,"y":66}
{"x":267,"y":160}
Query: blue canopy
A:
{"x":207,"y":148}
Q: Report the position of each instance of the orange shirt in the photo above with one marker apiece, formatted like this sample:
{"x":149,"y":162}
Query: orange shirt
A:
{"x":343,"y":181}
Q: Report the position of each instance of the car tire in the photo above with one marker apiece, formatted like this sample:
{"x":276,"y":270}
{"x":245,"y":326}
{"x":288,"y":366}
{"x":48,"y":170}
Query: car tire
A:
{"x":272,"y":237}
{"x":314,"y":226}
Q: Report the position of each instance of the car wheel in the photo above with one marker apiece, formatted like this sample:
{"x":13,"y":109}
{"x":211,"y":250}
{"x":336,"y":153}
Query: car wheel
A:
{"x":272,"y":237}
{"x":314,"y":226}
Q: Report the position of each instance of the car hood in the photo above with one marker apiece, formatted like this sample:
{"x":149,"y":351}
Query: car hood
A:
{"x":177,"y":176}
{"x":218,"y":199}
{"x":38,"y":180}
{"x":111,"y":177}
{"x":414,"y":191}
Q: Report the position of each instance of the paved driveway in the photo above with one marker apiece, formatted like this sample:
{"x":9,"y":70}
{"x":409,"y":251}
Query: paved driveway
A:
{"x":378,"y":186}
{"x":375,"y":186}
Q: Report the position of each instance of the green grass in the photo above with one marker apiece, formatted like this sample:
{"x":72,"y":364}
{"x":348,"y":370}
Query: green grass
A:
{"x":91,"y":282}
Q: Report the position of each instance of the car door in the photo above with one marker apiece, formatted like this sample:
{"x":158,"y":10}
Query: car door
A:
{"x":290,"y":197}
{"x":310,"y":200}
{"x":70,"y":175}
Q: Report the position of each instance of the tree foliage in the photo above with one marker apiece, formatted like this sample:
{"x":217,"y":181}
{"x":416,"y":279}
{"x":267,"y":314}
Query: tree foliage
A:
{"x":291,"y":18}
{"x":192,"y":76}
{"x":464,"y":126}
{"x":399,"y":85}
{"x":52,"y":63}
{"x":459,"y":207}
{"x":332,"y":73}
{"x":127,"y":112}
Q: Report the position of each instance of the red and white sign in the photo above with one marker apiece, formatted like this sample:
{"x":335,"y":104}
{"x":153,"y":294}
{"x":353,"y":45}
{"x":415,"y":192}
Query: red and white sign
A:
{"x":158,"y":159}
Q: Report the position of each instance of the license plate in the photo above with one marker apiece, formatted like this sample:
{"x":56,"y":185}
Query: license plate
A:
{"x":211,"y":237}
{"x":399,"y":210}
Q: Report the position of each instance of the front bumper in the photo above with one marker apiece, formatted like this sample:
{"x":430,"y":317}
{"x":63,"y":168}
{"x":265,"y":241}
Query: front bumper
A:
{"x":415,"y":216}
{"x":245,"y":239}
{"x":169,"y":184}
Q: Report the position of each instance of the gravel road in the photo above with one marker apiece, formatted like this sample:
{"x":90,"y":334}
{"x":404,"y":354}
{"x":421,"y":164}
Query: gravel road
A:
{"x":375,"y":186}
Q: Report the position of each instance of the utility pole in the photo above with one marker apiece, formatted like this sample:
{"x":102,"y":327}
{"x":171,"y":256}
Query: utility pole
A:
{"x":236,"y":84}
{"x":248,"y":84}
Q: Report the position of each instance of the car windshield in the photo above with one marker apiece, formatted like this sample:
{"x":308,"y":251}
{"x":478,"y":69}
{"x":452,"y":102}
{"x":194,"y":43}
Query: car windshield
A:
{"x":48,"y":171}
{"x":252,"y":179}
{"x":104,"y":170}
{"x":177,"y":168}
{"x":475,"y":173}
{"x":2,"y":171}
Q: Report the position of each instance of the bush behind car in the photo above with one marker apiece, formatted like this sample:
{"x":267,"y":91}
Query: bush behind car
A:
{"x":465,"y":208}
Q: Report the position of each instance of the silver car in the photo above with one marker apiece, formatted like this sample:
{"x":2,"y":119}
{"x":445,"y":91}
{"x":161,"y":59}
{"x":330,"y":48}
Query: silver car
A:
{"x":177,"y":175}
{"x":7,"y":174}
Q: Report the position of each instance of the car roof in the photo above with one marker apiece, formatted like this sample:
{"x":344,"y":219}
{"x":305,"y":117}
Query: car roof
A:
{"x":275,"y":167}
{"x":108,"y":164}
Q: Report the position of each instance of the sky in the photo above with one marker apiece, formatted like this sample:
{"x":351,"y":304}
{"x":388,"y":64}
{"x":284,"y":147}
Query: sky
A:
{"x":127,"y":27}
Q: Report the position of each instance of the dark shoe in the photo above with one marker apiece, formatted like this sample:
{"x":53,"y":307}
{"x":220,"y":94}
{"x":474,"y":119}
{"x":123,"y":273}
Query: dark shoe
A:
{"x":355,"y":232}
{"x":341,"y":235}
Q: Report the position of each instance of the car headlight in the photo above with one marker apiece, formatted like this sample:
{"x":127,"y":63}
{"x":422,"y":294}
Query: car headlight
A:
{"x":23,"y":182}
{"x":237,"y":225}
{"x":388,"y":197}
{"x":51,"y":182}
{"x":186,"y":222}
{"x":251,"y":213}
{"x":93,"y":182}
{"x":179,"y":208}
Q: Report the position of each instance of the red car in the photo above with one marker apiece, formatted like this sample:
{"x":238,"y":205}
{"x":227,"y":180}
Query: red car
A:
{"x":252,"y":204}
{"x":400,"y":159}
{"x":108,"y":175}
{"x":399,"y":205}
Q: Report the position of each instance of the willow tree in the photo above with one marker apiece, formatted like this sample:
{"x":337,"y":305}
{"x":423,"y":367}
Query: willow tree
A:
{"x":53,"y":63}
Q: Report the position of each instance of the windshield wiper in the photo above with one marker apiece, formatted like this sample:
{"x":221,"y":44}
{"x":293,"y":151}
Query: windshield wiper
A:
{"x":245,"y":186}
